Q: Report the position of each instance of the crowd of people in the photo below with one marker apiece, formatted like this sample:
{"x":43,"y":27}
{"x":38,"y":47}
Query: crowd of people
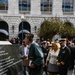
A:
{"x":15,"y":40}
{"x":53,"y":58}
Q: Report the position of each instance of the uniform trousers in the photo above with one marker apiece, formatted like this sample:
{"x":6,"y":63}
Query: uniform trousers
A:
{"x":63,"y":70}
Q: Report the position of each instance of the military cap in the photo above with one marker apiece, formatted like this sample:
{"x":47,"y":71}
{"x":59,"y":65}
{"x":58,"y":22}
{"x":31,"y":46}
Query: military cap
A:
{"x":62,"y":39}
{"x":43,"y":42}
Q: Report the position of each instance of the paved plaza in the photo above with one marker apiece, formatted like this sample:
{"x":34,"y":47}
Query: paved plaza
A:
{"x":70,"y":72}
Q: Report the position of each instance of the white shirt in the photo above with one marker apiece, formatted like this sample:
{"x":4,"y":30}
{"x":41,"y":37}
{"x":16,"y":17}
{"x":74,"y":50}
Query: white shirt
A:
{"x":26,"y":51}
{"x":52,"y":56}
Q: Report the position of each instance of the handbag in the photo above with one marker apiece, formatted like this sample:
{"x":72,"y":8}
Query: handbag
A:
{"x":26,"y":62}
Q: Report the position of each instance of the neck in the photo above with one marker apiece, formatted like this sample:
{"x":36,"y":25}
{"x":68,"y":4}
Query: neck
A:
{"x":29,"y":43}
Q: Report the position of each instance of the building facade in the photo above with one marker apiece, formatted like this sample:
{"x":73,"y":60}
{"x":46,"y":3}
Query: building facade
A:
{"x":24,"y":16}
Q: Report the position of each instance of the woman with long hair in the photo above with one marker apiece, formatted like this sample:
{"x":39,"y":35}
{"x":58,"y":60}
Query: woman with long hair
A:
{"x":51,"y":59}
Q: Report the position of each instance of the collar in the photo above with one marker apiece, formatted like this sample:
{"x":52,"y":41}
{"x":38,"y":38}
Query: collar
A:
{"x":63,"y":47}
{"x":30,"y":44}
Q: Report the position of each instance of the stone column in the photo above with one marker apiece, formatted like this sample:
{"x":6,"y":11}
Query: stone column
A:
{"x":35,"y":7}
{"x":74,"y":8}
{"x":57,"y":8}
{"x":13,"y":7}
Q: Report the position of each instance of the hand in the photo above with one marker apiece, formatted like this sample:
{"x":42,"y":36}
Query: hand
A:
{"x":58,"y":64}
{"x":45,"y":54}
{"x":23,"y":57}
{"x":46,"y":64}
{"x":32,"y":66}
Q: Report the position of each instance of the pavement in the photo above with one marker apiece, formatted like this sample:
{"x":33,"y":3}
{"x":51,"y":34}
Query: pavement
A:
{"x":70,"y":72}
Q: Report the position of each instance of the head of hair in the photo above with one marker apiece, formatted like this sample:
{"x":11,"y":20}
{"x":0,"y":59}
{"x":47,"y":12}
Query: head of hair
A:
{"x":56,"y":46}
{"x":30,"y":37}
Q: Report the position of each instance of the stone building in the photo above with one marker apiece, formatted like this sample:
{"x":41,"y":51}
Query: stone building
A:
{"x":24,"y":16}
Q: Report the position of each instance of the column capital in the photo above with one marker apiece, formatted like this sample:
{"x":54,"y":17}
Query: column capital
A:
{"x":74,"y":7}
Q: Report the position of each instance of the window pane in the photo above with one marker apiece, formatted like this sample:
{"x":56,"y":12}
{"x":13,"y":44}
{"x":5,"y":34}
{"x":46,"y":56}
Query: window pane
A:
{"x":3,"y":4}
{"x":24,"y":5}
{"x":67,"y":5}
{"x":46,"y":5}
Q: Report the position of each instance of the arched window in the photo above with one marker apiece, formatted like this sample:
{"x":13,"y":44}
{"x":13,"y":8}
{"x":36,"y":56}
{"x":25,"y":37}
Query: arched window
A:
{"x":3,"y":5}
{"x":67,"y":6}
{"x":46,"y":6}
{"x":24,"y":6}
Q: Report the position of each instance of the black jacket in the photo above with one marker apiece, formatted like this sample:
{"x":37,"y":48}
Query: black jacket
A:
{"x":64,"y":56}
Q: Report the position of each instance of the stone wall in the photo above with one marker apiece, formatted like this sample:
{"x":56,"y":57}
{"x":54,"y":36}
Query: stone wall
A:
{"x":33,"y":21}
